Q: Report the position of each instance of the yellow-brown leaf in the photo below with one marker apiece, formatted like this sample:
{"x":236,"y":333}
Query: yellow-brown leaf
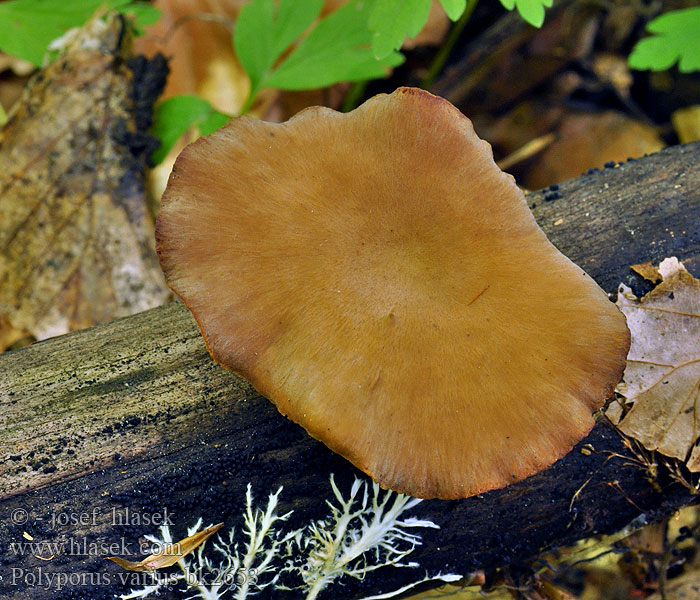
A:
{"x":169,"y":554}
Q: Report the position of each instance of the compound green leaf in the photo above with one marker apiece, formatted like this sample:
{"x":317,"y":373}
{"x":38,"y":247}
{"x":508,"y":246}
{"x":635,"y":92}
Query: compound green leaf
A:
{"x":264,"y":31}
{"x":174,"y":116}
{"x":390,"y":21}
{"x":675,"y":39}
{"x":338,"y":49}
{"x":293,"y":17}
{"x":532,"y":11}
{"x":454,"y":8}
{"x":144,"y":14}
{"x":215,"y":120}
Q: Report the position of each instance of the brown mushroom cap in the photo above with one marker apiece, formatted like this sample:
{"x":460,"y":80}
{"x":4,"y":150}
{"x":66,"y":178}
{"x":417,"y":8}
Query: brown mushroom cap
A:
{"x":378,"y":278}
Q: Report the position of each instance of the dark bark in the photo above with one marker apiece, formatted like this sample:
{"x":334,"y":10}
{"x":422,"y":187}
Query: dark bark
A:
{"x":135,"y":414}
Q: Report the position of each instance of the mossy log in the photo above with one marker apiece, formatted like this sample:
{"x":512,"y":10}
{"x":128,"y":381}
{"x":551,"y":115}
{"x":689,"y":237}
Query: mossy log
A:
{"x":135,"y":415}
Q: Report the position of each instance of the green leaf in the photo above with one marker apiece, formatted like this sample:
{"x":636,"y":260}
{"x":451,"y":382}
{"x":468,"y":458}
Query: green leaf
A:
{"x":27,"y":27}
{"x":531,"y":11}
{"x":676,"y":39}
{"x":454,"y":8}
{"x":293,"y":17}
{"x":3,"y":116}
{"x":391,"y":21}
{"x":144,"y":14}
{"x":338,"y":49}
{"x":215,"y":120}
{"x":263,"y":32}
{"x":174,"y":116}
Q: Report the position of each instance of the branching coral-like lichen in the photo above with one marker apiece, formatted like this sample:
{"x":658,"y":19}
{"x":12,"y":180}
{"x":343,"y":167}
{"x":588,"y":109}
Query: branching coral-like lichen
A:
{"x":236,"y":575}
{"x":362,"y":533}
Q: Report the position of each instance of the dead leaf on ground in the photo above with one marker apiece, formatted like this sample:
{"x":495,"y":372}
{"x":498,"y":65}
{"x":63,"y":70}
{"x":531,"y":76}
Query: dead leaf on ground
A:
{"x":663,"y":366}
{"x":169,"y":554}
{"x":648,"y":271}
{"x":588,"y":140}
{"x":686,"y":122}
{"x":76,"y":237}
{"x":613,"y":69}
{"x":196,"y":36}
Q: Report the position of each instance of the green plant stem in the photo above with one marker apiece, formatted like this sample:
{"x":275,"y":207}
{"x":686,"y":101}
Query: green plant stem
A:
{"x":445,"y":50}
{"x":355,"y":93}
{"x":248,"y":103}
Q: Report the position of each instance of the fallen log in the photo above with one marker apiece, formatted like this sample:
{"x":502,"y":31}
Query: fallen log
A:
{"x":128,"y":422}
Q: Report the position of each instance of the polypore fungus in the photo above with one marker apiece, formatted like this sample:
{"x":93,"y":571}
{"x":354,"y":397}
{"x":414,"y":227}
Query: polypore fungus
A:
{"x":378,"y":278}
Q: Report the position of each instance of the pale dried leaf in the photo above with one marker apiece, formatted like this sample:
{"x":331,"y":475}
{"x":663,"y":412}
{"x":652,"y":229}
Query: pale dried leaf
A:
{"x":169,"y":554}
{"x":693,"y":463}
{"x":76,"y":238}
{"x":663,"y":366}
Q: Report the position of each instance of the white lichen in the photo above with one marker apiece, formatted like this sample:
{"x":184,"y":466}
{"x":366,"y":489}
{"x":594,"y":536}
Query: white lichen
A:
{"x":359,"y":536}
{"x":362,"y":533}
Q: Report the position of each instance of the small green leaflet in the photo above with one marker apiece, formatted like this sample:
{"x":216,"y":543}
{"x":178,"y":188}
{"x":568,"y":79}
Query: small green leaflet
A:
{"x":454,"y":8}
{"x":263,"y":32}
{"x":176,"y":115}
{"x":531,"y":11}
{"x":337,"y":48}
{"x":676,"y":39}
{"x":27,"y":27}
{"x":143,"y":13}
{"x":390,"y":21}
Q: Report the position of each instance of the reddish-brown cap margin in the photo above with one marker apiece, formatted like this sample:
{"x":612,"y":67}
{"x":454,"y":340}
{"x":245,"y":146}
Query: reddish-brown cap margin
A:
{"x":378,"y":278}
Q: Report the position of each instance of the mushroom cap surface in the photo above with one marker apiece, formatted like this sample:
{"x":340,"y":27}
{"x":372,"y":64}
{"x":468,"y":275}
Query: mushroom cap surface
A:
{"x":383,"y":282}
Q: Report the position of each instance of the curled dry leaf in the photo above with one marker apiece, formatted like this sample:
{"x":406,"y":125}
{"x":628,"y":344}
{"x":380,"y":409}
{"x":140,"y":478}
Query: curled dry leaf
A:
{"x":75,"y":233}
{"x":648,"y":271}
{"x":663,"y":366}
{"x":169,"y":554}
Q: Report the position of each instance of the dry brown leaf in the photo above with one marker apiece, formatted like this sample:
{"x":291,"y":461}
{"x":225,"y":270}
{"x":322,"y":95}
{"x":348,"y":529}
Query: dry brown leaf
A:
{"x":169,"y":554}
{"x":648,"y":271}
{"x":663,"y":366}
{"x":196,"y":36}
{"x":587,"y":140}
{"x":613,"y":69}
{"x":686,"y":122}
{"x":76,"y":238}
